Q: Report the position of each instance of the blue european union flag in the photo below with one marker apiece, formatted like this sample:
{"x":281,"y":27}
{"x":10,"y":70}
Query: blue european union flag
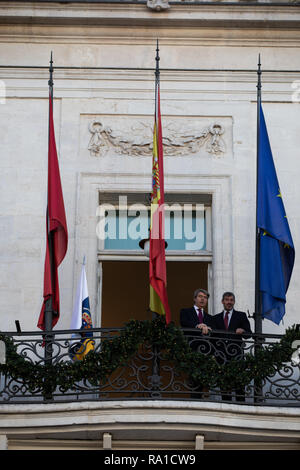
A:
{"x":277,"y":252}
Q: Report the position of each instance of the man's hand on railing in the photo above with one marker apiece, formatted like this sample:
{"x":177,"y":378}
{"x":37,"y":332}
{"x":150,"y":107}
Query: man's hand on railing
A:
{"x":240,"y":331}
{"x":204,"y":328}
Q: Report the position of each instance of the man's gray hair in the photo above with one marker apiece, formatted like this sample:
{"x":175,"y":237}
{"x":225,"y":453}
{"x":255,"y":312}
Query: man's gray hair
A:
{"x":201,"y":290}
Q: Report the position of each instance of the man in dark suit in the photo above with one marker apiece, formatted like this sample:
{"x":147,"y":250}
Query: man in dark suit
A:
{"x":197,"y":317}
{"x":230,"y":345}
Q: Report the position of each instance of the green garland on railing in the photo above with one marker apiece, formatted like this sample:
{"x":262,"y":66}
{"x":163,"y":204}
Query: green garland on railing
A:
{"x":96,"y":367}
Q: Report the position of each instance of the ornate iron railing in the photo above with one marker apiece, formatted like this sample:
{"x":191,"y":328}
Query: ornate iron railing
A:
{"x":148,"y":374}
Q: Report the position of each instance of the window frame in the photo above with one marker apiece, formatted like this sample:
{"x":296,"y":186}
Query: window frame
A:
{"x":171,"y":255}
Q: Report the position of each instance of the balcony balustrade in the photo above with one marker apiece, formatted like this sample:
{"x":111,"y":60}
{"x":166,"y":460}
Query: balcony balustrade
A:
{"x":53,"y":367}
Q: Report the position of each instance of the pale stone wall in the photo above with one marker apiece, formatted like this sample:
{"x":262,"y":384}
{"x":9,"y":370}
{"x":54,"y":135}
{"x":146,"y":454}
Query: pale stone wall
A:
{"x":121,"y":97}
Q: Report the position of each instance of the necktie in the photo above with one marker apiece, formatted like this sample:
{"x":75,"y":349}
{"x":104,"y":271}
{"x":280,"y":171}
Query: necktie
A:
{"x":200,"y":315}
{"x":226,"y":320}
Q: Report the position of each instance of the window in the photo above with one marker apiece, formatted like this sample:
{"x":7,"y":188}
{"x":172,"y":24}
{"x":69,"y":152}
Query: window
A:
{"x":124,"y":269}
{"x":125,"y":220}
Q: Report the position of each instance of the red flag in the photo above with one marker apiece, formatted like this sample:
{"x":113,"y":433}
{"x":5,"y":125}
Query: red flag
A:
{"x":56,"y":229}
{"x":157,"y":264}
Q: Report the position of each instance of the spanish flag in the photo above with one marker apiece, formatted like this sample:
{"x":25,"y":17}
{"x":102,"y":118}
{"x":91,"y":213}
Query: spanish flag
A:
{"x":157,"y":265}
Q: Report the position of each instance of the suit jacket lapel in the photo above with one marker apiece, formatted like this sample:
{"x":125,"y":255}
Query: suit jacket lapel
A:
{"x":195,"y":315}
{"x":232,"y":320}
{"x":221,"y":324}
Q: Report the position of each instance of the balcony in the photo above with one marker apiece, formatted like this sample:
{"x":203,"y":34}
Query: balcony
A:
{"x":147,"y":360}
{"x":148,"y":386}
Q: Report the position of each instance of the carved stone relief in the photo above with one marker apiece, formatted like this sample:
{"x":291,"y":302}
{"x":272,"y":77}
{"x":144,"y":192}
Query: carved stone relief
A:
{"x":158,"y":5}
{"x":136,"y":138}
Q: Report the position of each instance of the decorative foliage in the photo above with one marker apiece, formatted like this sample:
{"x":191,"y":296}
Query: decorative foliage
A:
{"x":96,"y":367}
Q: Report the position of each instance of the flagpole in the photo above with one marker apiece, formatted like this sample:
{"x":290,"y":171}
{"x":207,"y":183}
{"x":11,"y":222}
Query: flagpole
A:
{"x":49,"y":302}
{"x":257,"y":310}
{"x":157,"y":77}
{"x":155,"y":350}
{"x":50,"y":82}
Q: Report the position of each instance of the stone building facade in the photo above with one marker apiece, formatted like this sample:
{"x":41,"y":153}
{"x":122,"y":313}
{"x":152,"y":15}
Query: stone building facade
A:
{"x":104,"y":61}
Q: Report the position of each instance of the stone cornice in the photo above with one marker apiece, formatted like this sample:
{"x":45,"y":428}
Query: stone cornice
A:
{"x":145,"y":418}
{"x":227,"y":15}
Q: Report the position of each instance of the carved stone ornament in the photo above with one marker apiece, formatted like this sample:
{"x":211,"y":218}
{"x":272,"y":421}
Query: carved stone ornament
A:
{"x":158,"y":5}
{"x":137,"y":140}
